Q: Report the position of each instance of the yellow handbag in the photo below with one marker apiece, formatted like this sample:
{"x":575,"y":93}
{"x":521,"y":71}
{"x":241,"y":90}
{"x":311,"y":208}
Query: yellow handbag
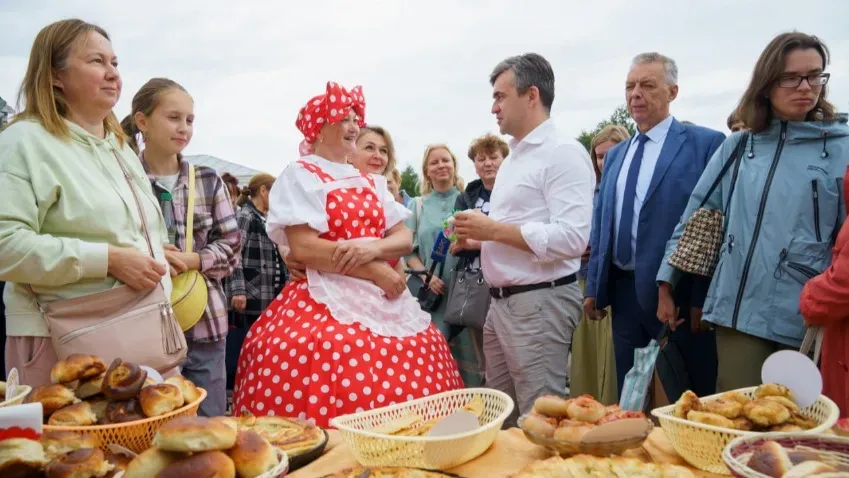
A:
{"x":190,"y":294}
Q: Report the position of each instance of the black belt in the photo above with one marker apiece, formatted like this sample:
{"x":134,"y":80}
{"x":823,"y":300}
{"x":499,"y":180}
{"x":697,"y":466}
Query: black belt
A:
{"x":505,"y":292}
{"x":626,"y":273}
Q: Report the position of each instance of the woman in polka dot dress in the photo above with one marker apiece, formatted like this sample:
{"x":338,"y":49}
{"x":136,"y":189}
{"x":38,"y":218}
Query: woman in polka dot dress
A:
{"x":350,"y":337}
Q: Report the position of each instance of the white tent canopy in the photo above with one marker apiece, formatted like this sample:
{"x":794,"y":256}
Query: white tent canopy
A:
{"x":242,"y":173}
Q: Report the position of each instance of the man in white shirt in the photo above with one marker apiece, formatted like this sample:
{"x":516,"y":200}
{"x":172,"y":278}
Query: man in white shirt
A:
{"x":537,"y":229}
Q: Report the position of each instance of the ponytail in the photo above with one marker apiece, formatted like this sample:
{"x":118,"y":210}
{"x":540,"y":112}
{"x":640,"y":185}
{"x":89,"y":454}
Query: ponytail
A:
{"x":253,"y":187}
{"x":128,"y":124}
{"x":244,"y":195}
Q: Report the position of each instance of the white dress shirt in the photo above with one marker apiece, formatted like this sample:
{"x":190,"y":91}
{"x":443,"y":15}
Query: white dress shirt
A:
{"x":545,"y":186}
{"x":651,"y":152}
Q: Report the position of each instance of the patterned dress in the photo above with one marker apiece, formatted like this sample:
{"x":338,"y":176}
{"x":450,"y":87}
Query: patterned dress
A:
{"x":333,"y":345}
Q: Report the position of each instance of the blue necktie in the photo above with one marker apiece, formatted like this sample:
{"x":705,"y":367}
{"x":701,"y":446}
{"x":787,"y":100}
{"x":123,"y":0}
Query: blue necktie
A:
{"x":626,"y":222}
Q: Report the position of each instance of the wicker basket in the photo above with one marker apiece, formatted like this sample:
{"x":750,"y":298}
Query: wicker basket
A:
{"x":23,"y":391}
{"x":436,"y":453}
{"x":835,"y":449}
{"x":567,"y":448}
{"x":135,"y":436}
{"x":702,"y":445}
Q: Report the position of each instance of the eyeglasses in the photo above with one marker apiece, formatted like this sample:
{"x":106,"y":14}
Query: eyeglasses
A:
{"x":816,"y":79}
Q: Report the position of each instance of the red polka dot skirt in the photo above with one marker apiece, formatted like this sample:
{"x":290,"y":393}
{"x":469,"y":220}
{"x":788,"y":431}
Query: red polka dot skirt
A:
{"x":298,"y":361}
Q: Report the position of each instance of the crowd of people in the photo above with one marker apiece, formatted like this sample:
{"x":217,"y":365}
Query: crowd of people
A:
{"x":307,"y":277}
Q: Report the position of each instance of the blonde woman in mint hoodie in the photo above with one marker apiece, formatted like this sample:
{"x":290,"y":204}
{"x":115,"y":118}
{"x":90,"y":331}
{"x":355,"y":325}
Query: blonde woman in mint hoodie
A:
{"x":68,"y":221}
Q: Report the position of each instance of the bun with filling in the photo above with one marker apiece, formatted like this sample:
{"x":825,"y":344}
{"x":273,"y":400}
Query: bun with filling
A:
{"x":552,"y":406}
{"x":771,"y":459}
{"x":252,"y":455}
{"x":123,"y":380}
{"x":76,"y":415}
{"x":125,"y":411}
{"x":208,"y":464}
{"x":150,"y":462}
{"x":160,"y":399}
{"x":52,"y":397}
{"x":195,"y":434}
{"x":190,"y":391}
{"x":85,"y":463}
{"x":77,"y":367}
{"x":21,"y":458}
{"x":90,"y":388}
{"x":62,"y":442}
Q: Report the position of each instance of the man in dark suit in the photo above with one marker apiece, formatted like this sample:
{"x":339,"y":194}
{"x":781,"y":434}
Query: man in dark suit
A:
{"x":645,"y":186}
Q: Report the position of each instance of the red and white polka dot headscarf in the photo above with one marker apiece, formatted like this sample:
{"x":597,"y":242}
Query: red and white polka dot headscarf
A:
{"x":330,"y":108}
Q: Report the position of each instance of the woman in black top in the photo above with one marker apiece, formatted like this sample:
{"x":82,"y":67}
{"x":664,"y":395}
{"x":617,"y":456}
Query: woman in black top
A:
{"x":487,"y":152}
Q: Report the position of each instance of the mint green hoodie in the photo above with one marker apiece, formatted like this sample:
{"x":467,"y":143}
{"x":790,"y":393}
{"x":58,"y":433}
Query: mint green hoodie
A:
{"x":62,"y":203}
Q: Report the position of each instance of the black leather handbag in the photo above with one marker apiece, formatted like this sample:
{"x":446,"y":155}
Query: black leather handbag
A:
{"x":429,"y":301}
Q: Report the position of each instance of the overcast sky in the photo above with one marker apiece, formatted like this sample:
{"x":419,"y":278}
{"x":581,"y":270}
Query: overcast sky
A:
{"x":424,"y":66}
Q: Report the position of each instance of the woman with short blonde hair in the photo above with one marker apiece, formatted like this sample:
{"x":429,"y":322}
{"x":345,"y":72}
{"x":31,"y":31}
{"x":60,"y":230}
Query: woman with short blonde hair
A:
{"x":440,"y":187}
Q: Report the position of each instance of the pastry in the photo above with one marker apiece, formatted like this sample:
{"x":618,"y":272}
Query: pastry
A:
{"x":738,"y":397}
{"x":150,"y":462}
{"x":796,"y":418}
{"x":388,"y":472}
{"x":90,"y":388}
{"x":123,"y":380}
{"x":771,"y":459}
{"x":809,"y":468}
{"x":710,"y":419}
{"x":124,"y":411}
{"x":395,"y":425}
{"x":292,"y":436}
{"x":591,"y":466}
{"x":688,"y":402}
{"x":743,"y":423}
{"x":76,"y":415}
{"x":766,"y":413}
{"x":61,"y":442}
{"x":788,"y":404}
{"x":208,"y":464}
{"x":571,"y":430}
{"x":21,"y":458}
{"x":252,"y":455}
{"x":540,"y":425}
{"x":195,"y":434}
{"x":726,"y":407}
{"x":119,"y":463}
{"x":52,"y":397}
{"x":84,"y":463}
{"x":620,"y":415}
{"x":586,"y":409}
{"x":190,"y":391}
{"x":773,"y":390}
{"x":98,"y":407}
{"x":552,"y":406}
{"x":160,"y":399}
{"x":76,"y":367}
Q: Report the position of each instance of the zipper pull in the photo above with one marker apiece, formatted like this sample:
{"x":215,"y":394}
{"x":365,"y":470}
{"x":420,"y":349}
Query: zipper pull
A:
{"x":778,"y":272}
{"x":730,"y":243}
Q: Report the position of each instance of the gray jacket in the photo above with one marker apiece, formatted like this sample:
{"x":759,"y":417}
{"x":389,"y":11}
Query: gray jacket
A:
{"x":783,"y":216}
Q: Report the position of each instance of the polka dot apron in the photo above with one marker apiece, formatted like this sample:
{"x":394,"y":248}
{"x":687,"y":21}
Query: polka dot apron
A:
{"x":298,"y":361}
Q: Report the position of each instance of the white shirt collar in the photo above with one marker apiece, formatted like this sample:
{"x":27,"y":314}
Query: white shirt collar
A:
{"x":536,"y":136}
{"x":659,"y":132}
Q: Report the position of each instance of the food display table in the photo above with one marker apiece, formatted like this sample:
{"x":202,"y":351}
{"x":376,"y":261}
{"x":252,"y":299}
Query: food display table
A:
{"x":510,"y":453}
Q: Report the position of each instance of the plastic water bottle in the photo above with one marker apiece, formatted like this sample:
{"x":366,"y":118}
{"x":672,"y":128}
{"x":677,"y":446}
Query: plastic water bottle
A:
{"x":168,"y":214}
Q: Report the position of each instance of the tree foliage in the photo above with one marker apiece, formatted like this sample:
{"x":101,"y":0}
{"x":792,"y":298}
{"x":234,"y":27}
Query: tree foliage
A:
{"x":410,"y":181}
{"x":620,"y":116}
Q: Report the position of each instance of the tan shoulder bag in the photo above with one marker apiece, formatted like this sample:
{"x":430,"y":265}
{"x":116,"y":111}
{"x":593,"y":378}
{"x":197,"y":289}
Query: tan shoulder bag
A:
{"x":137,"y":326}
